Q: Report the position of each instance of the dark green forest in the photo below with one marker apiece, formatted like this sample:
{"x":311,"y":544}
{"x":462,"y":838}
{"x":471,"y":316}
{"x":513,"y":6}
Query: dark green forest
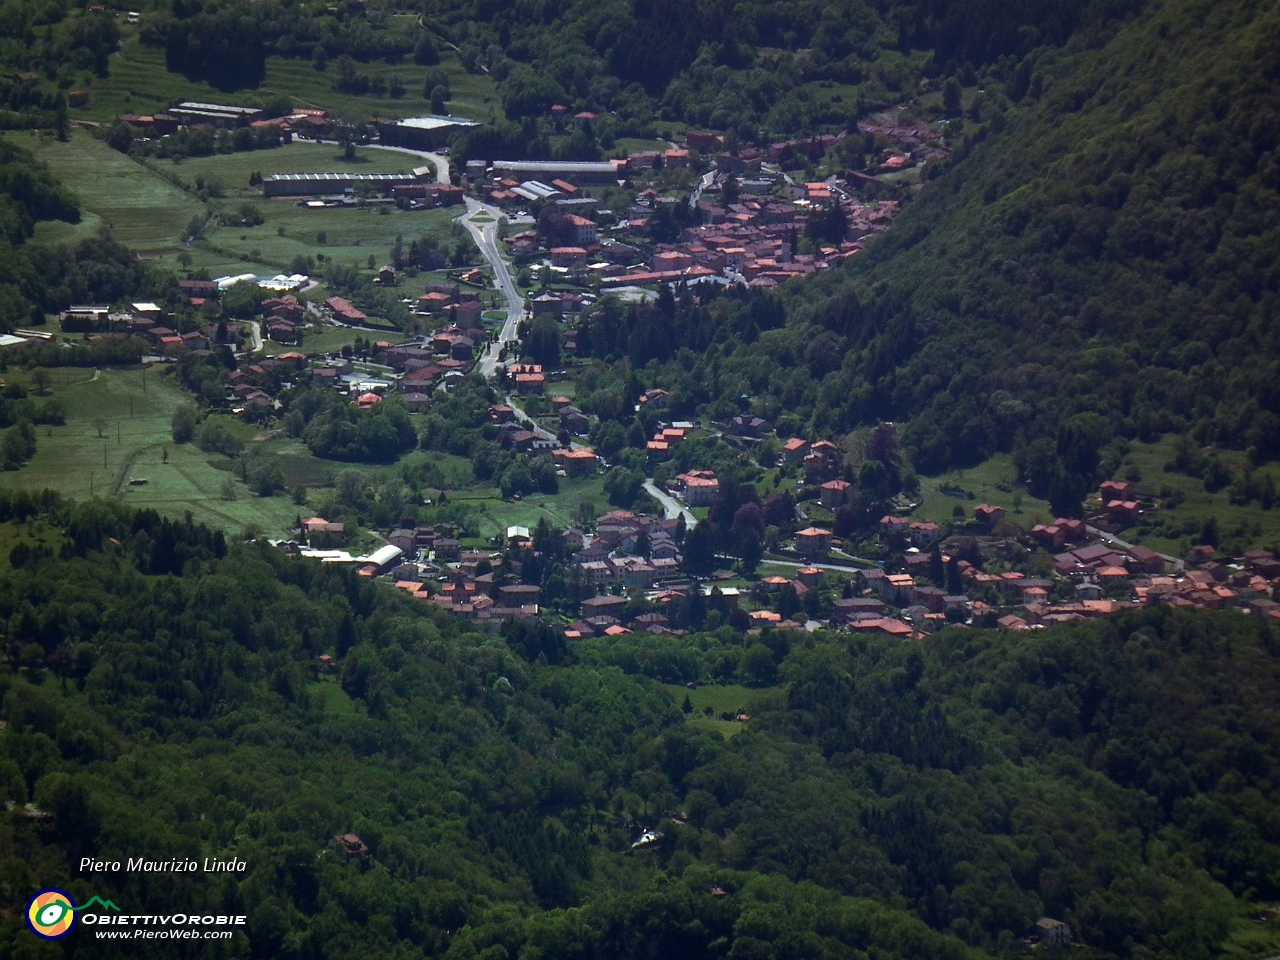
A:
{"x":163,"y":696}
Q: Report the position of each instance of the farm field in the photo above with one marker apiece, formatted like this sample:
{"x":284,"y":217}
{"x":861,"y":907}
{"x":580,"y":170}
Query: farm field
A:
{"x":139,"y":83}
{"x":142,"y":210}
{"x":149,"y":213}
{"x":135,"y":440}
{"x":350,"y":235}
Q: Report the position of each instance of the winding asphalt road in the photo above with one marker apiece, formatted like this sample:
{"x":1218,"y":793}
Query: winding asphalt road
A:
{"x":485,"y":236}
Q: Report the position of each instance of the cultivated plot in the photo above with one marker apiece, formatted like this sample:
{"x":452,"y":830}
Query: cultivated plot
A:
{"x":142,"y":210}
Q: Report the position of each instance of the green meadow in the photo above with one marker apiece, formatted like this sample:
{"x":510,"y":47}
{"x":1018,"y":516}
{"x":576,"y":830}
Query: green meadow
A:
{"x":994,"y":481}
{"x":139,"y":83}
{"x":727,"y":698}
{"x":117,"y":431}
{"x":1175,"y":530}
{"x":627,"y":145}
{"x":1170,"y":530}
{"x":232,"y":170}
{"x":146,"y":210}
{"x":560,"y":509}
{"x":329,"y":340}
{"x":143,"y":210}
{"x":329,"y":695}
{"x":349,"y":235}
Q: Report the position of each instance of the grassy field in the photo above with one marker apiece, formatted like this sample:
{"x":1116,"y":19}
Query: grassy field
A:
{"x":629,"y":145}
{"x":329,"y":340}
{"x":351,"y":235}
{"x":134,"y":444}
{"x":34,"y":533}
{"x":1257,"y":527}
{"x":329,"y":694}
{"x":232,"y":170}
{"x":1167,"y":531}
{"x":729,"y":698}
{"x":1247,"y":939}
{"x":993,"y":482}
{"x":149,"y":213}
{"x":139,"y":83}
{"x":560,"y":509}
{"x":142,"y":210}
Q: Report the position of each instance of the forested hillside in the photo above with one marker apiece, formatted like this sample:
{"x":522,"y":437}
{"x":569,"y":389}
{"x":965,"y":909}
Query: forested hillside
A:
{"x":652,"y":61}
{"x":163,"y":696}
{"x":1110,"y":251}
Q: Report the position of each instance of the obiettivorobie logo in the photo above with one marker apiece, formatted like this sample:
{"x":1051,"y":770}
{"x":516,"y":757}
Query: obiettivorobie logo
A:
{"x":51,"y":914}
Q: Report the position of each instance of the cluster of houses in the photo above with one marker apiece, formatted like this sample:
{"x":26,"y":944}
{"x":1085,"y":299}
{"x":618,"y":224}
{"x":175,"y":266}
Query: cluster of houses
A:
{"x":254,"y":387}
{"x":282,"y":318}
{"x":1135,"y":576}
{"x":415,"y":367}
{"x":666,"y":437}
{"x":144,"y":320}
{"x":1089,"y":579}
{"x":908,"y":604}
{"x":753,"y":240}
{"x":631,"y":550}
{"x":627,"y":551}
{"x":459,"y":304}
{"x":820,"y":461}
{"x":751,"y":236}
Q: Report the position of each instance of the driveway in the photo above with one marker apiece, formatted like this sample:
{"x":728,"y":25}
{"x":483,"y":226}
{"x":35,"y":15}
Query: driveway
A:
{"x":673,"y":507}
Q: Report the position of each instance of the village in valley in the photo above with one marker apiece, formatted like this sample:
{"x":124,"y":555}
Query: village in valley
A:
{"x":634,"y":479}
{"x":701,"y":216}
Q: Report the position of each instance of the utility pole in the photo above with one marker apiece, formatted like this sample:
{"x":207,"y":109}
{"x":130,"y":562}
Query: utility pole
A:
{"x":117,"y":433}
{"x":90,"y":484}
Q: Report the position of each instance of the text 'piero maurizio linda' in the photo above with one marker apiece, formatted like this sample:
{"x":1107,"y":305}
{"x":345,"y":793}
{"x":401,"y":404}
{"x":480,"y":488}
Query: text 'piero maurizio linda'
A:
{"x":142,"y":865}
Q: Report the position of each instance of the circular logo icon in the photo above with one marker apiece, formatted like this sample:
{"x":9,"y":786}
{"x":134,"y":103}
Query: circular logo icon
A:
{"x":51,"y":914}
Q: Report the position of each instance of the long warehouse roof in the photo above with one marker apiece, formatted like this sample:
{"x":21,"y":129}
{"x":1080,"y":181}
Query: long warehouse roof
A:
{"x":571,"y":166}
{"x":433,"y":122}
{"x":331,"y":177}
